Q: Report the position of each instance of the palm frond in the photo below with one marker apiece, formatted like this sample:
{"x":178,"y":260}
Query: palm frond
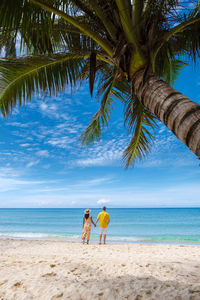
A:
{"x":187,"y":42}
{"x":92,"y":71}
{"x":104,"y":74}
{"x":138,"y":120}
{"x":183,"y":33}
{"x":30,"y":21}
{"x":76,"y":21}
{"x":100,"y":119}
{"x":21,"y":78}
{"x":39,"y":31}
{"x":167,"y":65}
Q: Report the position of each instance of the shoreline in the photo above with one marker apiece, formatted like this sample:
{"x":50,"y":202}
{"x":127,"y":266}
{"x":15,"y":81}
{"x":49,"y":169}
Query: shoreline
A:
{"x":50,"y":270}
{"x":95,"y":242}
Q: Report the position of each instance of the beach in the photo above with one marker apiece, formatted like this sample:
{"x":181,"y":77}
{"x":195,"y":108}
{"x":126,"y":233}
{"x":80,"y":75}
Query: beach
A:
{"x":41,"y":269}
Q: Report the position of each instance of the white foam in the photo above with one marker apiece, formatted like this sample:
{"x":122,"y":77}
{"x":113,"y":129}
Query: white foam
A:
{"x":37,"y":235}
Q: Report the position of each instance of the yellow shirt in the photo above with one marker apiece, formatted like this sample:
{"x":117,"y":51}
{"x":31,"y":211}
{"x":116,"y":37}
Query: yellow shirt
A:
{"x":104,"y":218}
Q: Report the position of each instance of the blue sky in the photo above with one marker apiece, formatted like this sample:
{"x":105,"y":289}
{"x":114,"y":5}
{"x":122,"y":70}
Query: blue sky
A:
{"x":42,"y":163}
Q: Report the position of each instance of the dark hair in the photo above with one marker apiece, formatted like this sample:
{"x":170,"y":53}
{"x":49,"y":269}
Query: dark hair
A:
{"x":104,"y":208}
{"x":87,"y":216}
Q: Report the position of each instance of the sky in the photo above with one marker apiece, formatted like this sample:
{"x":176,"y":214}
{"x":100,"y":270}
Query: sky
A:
{"x":42,"y":163}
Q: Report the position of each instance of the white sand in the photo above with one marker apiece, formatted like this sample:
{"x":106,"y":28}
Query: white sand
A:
{"x":61,"y":270}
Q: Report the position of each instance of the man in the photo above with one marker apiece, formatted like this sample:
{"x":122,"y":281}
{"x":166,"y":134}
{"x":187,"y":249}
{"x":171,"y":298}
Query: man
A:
{"x":104,"y":221}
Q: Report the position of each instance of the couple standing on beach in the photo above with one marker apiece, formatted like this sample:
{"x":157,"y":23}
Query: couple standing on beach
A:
{"x":104,"y":219}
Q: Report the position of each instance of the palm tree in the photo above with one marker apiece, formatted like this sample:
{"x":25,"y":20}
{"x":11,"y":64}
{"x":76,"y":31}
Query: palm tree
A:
{"x":133,"y":49}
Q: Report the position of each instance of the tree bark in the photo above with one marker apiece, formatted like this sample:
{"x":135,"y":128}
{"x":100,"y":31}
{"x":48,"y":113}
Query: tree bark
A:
{"x":176,"y":111}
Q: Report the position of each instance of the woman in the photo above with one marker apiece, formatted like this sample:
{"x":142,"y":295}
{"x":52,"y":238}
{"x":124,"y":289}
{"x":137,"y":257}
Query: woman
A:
{"x":87,"y":220}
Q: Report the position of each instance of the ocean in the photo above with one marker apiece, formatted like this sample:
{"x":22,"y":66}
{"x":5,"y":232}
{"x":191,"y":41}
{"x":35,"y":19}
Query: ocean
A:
{"x":128,"y":225}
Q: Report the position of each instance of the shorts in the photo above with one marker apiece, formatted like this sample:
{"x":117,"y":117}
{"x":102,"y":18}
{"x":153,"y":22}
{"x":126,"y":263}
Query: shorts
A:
{"x":102,"y":230}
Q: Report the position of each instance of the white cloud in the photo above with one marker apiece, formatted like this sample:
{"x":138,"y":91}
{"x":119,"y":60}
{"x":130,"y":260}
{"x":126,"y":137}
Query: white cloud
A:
{"x":9,"y":172}
{"x":53,"y":107}
{"x":42,"y":153}
{"x":17,"y":124}
{"x":11,"y":179}
{"x":64,"y":142}
{"x":87,"y":162}
{"x":103,"y":201}
{"x":50,"y":110}
{"x":24,"y":145}
{"x":103,"y":153}
{"x":46,"y":166}
{"x":9,"y":184}
{"x":32,"y":163}
{"x":93,"y":182}
{"x":43,"y":106}
{"x":22,"y":125}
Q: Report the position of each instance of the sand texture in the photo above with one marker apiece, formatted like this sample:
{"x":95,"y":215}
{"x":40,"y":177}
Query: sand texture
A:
{"x":62,"y":270}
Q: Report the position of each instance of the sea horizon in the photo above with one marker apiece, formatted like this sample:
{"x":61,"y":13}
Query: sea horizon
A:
{"x":108,"y":207}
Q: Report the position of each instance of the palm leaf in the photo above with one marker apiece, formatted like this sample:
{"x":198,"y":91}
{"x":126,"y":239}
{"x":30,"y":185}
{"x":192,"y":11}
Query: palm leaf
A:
{"x":82,"y":26}
{"x":167,"y":65}
{"x":39,"y":31}
{"x":21,"y":78}
{"x":138,"y":120}
{"x":100,"y":119}
{"x":105,"y":75}
{"x":30,"y":21}
{"x":187,"y":42}
{"x":92,"y":71}
{"x":183,"y":37}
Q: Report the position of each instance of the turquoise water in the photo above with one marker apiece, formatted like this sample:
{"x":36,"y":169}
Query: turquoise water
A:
{"x":171,"y":225}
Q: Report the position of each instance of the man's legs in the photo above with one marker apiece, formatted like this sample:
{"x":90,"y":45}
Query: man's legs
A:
{"x":104,"y":237}
{"x":100,"y":237}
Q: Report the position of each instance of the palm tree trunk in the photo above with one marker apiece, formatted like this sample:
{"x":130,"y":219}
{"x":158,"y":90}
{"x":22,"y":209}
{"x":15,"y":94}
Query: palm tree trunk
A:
{"x":176,"y":111}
